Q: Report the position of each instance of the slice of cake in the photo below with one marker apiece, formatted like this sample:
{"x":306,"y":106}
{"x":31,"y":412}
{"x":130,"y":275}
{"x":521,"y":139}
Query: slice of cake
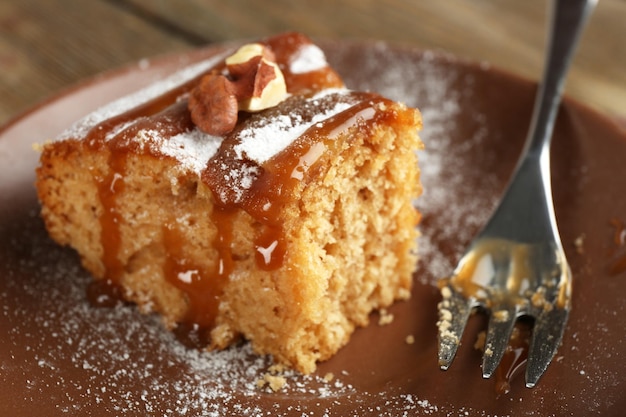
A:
{"x":250,"y":195}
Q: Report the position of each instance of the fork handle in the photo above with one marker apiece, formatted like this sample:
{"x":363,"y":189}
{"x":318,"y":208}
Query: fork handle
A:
{"x":526,"y":211}
{"x":568,"y":19}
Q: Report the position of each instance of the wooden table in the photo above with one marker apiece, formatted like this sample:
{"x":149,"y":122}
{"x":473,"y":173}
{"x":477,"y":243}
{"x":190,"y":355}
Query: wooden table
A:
{"x":48,"y":45}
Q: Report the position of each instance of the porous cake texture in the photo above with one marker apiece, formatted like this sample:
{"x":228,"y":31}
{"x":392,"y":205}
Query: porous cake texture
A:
{"x":287,"y":226}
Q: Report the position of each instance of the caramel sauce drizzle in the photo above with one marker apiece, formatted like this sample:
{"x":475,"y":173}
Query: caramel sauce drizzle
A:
{"x":285,"y":48}
{"x":109,"y":187}
{"x":276,"y":182}
{"x":202,"y":287}
{"x":143,"y":113}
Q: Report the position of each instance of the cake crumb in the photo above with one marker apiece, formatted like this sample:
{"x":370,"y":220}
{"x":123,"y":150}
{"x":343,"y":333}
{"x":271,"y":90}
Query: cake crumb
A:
{"x":501,"y":316}
{"x":277,"y":368}
{"x":260,"y":383}
{"x":274,"y":377}
{"x":479,"y":344}
{"x":538,"y":299}
{"x":275,"y":382}
{"x":410,"y":339}
{"x":579,"y":244}
{"x":446,"y":293}
{"x":329,"y":377}
{"x":385,"y":317}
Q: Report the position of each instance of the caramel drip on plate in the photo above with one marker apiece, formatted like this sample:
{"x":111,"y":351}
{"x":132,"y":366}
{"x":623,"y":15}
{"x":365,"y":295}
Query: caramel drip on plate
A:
{"x":514,"y":359}
{"x":617,"y":264}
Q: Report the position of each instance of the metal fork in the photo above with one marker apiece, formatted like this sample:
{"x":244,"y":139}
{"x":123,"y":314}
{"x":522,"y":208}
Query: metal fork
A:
{"x":516,"y":265}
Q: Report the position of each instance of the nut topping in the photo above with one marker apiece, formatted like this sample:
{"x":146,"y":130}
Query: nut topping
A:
{"x":260,"y":82}
{"x":253,"y":83}
{"x":213,"y":105}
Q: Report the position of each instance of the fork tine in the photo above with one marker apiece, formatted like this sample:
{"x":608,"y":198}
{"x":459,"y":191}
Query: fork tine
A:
{"x":454,"y":310}
{"x":545,"y":340}
{"x":501,"y":323}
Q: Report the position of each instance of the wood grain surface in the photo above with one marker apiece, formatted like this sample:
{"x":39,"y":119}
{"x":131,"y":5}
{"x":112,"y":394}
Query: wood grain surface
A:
{"x":46,"y":46}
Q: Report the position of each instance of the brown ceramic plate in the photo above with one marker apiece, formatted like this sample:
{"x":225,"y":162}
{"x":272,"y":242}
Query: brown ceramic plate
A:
{"x":60,"y":355}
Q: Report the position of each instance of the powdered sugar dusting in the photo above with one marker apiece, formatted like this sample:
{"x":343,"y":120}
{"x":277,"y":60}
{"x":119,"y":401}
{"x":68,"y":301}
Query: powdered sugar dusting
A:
{"x":307,"y":58}
{"x":263,"y":140}
{"x":239,"y":180}
{"x":192,"y":149}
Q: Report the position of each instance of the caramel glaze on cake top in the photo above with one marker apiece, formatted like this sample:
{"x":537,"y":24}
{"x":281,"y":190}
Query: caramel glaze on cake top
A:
{"x":318,"y":108}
